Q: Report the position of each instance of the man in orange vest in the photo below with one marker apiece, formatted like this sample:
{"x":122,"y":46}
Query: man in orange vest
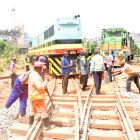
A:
{"x":37,"y":93}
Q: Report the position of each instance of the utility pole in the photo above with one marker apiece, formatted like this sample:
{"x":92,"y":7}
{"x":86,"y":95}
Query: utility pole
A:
{"x":13,"y":24}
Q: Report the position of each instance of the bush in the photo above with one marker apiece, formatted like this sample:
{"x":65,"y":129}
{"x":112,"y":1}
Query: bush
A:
{"x":7,"y":51}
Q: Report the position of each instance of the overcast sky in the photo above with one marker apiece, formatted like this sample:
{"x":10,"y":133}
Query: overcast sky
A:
{"x":95,"y":14}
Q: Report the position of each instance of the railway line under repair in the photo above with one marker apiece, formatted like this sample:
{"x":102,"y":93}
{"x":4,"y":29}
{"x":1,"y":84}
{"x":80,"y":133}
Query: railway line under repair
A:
{"x":82,"y":115}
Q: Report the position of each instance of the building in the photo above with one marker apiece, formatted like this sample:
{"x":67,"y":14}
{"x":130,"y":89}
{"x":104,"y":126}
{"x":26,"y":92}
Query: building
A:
{"x":22,"y":41}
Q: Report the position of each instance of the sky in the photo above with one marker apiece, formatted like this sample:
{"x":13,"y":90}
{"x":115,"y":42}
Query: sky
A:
{"x":95,"y":15}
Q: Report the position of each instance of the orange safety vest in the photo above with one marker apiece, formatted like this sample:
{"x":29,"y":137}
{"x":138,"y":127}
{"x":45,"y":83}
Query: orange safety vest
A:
{"x":34,"y":93}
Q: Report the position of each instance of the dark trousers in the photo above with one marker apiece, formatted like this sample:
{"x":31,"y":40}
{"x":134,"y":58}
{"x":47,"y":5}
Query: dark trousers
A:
{"x":80,"y":78}
{"x":27,"y":67}
{"x":109,"y":72}
{"x":65,"y":79}
{"x":135,"y":77}
{"x":84,"y":80}
{"x":97,"y":75}
{"x":19,"y":91}
{"x":13,"y":78}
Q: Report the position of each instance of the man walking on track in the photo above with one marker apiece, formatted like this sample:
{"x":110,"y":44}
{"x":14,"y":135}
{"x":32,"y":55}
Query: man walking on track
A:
{"x":37,"y":92}
{"x":66,"y":69}
{"x":97,"y":68}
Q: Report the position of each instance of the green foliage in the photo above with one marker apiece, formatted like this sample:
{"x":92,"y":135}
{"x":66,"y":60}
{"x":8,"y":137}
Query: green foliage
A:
{"x":7,"y":51}
{"x":2,"y":46}
{"x":21,"y":60}
{"x":90,"y":46}
{"x":135,"y":49}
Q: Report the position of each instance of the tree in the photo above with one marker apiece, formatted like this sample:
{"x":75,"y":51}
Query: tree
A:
{"x":135,"y":49}
{"x":90,"y":45}
{"x":7,"y":51}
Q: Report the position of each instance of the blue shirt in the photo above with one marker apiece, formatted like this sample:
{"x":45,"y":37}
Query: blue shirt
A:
{"x":65,"y":62}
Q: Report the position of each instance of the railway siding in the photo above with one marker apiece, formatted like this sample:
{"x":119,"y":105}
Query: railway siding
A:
{"x":104,"y":121}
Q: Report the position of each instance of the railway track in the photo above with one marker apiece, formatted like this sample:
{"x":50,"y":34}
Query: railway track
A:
{"x":84,"y":115}
{"x":5,"y":77}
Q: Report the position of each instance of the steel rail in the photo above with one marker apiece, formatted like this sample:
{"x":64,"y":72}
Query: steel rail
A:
{"x":85,"y":129}
{"x":127,"y":118}
{"x":37,"y":131}
{"x":122,"y":125}
{"x":77,"y":127}
{"x":127,"y":121}
{"x":127,"y":129}
{"x":31,"y":135}
{"x":79,"y":98}
{"x":85,"y":107}
{"x":5,"y":77}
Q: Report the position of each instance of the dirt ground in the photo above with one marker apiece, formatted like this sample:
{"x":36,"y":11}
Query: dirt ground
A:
{"x":5,"y":88}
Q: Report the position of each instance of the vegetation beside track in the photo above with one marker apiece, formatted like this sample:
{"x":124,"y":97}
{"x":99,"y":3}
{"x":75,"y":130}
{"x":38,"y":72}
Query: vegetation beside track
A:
{"x":7,"y":51}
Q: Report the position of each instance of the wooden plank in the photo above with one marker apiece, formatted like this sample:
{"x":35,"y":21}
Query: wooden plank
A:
{"x":96,"y":134}
{"x":106,"y":124}
{"x":95,"y":100}
{"x":98,"y":106}
{"x":63,"y":114}
{"x":112,"y":124}
{"x":101,"y":114}
{"x":19,"y":128}
{"x":111,"y":114}
{"x":59,"y":133}
{"x":93,"y":96}
{"x":136,"y":124}
{"x":110,"y":106}
{"x":68,"y":105}
{"x":60,"y":121}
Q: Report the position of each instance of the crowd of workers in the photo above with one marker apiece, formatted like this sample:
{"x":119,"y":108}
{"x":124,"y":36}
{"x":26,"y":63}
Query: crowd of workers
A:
{"x":97,"y":67}
{"x":31,"y":84}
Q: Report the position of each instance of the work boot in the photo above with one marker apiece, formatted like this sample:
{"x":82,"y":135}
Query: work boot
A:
{"x":31,"y":120}
{"x":46,"y":123}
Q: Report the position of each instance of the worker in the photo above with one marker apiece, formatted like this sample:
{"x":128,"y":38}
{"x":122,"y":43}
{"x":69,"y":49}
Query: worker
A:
{"x":27,"y":63}
{"x":66,"y":69}
{"x":84,"y":70}
{"x":78,"y":65}
{"x":37,"y":93}
{"x":20,"y":90}
{"x":133,"y":75}
{"x":97,"y":68}
{"x":118,"y":60}
{"x":13,"y":70}
{"x":109,"y":65}
{"x":43,"y":59}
